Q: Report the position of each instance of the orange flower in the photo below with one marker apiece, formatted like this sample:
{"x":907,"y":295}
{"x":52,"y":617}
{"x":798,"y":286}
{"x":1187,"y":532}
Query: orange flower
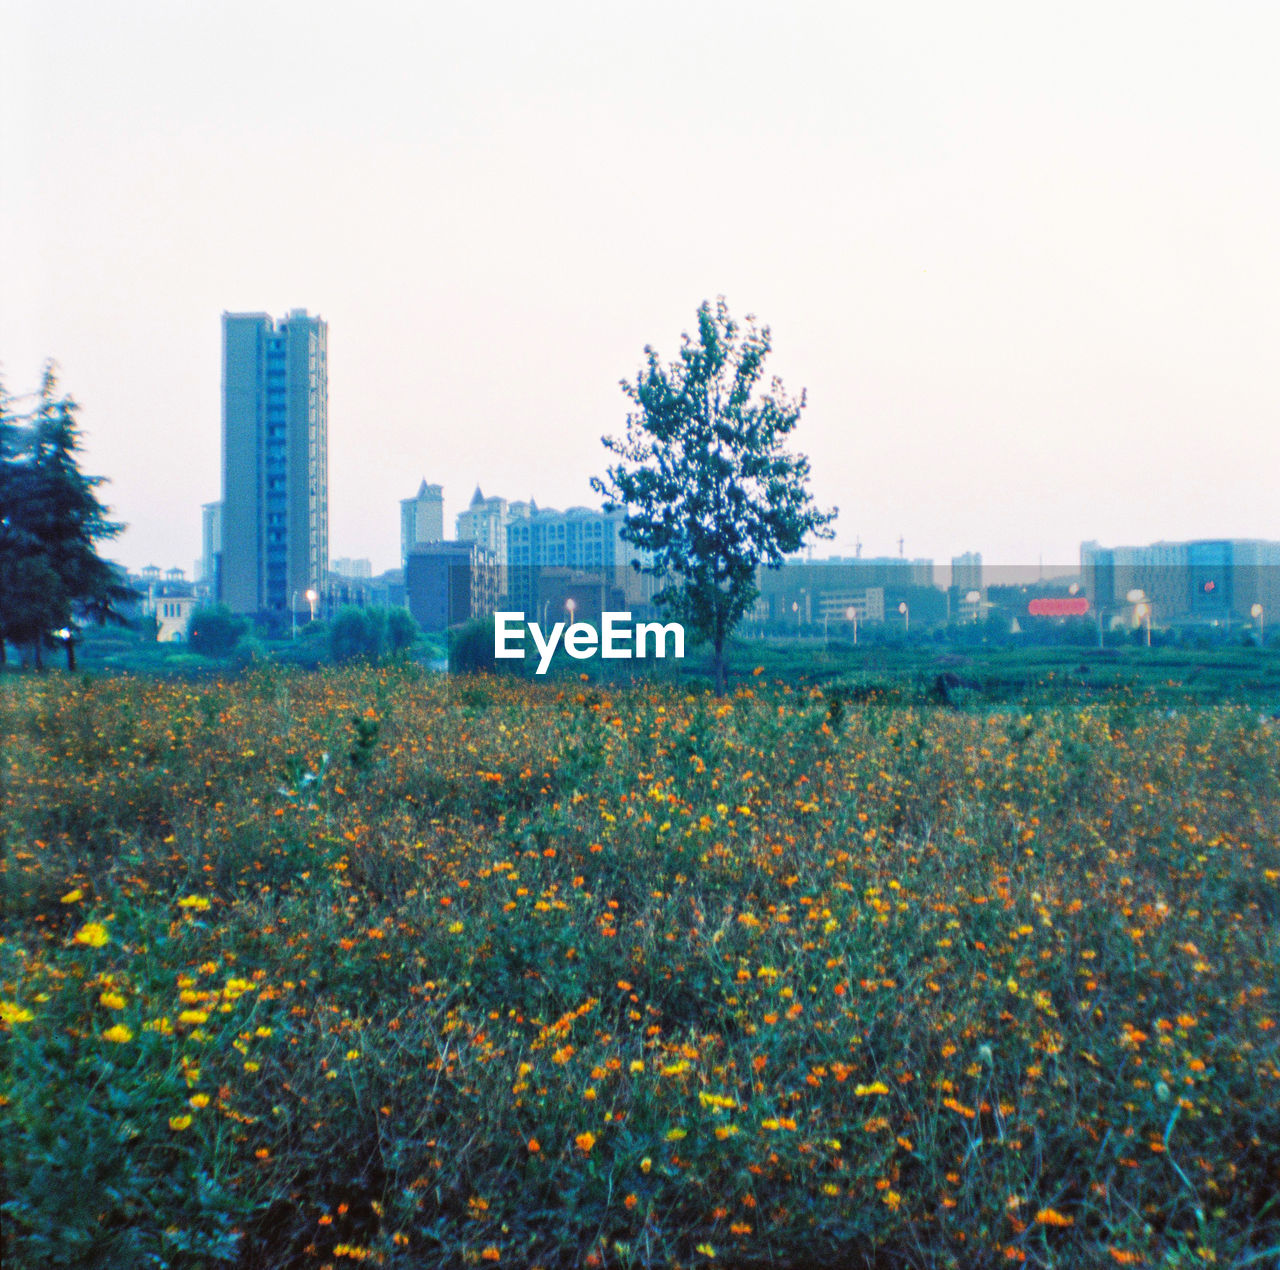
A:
{"x":1051,"y":1217}
{"x":584,"y":1142}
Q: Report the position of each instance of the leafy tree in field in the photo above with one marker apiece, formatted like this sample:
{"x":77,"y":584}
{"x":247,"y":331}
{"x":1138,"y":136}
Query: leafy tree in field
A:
{"x":471,"y":649}
{"x":710,"y":492}
{"x":215,"y":630}
{"x":371,"y":633}
{"x":50,"y":523}
{"x":402,"y":631}
{"x":352,"y":635}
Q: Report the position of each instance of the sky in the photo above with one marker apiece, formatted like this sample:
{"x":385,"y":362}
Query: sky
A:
{"x":1021,"y":257}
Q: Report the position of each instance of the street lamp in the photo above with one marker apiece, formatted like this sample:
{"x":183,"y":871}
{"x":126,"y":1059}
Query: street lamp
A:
{"x":312,"y":597}
{"x":974,"y":600}
{"x":906,"y":617}
{"x":1258,"y":612}
{"x":851,"y":615}
{"x":570,"y":604}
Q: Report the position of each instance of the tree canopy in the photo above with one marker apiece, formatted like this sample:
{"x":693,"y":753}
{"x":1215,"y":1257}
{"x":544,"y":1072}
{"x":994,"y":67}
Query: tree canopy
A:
{"x":51,"y":575}
{"x":711,"y":493}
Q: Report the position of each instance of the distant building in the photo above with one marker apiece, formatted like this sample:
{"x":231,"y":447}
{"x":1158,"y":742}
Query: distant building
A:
{"x":1206,"y":580}
{"x":966,"y":572}
{"x":210,"y":545}
{"x":447,"y":583}
{"x":421,"y":519}
{"x":359,"y":570}
{"x":275,"y":461}
{"x":805,"y":591}
{"x":485,"y":521}
{"x":168,"y":598}
{"x":581,"y":539}
{"x":172,"y":613}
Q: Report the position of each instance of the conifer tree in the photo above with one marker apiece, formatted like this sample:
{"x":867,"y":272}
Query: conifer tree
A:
{"x":50,"y":522}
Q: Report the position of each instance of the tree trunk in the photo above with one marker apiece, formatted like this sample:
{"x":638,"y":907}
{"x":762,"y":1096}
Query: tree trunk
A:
{"x":71,"y":655}
{"x":3,"y":659}
{"x":39,"y":655}
{"x":718,"y":665}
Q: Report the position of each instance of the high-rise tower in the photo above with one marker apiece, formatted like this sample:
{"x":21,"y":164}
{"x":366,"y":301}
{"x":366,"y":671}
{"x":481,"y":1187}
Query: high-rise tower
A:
{"x":275,"y":461}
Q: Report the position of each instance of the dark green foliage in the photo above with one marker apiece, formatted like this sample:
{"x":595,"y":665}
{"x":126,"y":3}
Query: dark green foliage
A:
{"x":370,"y":634}
{"x":215,"y":630}
{"x":711,"y":492}
{"x":50,"y":522}
{"x":402,"y":632}
{"x":367,"y":726}
{"x":471,"y":648}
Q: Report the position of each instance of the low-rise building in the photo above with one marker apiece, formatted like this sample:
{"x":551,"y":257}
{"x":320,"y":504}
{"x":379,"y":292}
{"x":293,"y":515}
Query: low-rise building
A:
{"x":447,"y":583}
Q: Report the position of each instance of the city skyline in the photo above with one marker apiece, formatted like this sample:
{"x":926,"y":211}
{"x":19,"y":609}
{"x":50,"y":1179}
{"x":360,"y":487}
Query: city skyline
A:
{"x":1022,"y":262}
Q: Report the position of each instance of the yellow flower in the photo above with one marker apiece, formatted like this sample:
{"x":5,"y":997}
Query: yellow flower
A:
{"x":199,"y":1101}
{"x":707,"y":1251}
{"x":73,"y":897}
{"x":112,"y":1000}
{"x":198,"y":902}
{"x":646,"y":1164}
{"x":194,"y":1016}
{"x":118,"y":1034}
{"x":93,"y":934}
{"x":178,"y":1123}
{"x":674,"y":1135}
{"x":13,"y":1013}
{"x":876,"y":1087}
{"x":352,"y":1055}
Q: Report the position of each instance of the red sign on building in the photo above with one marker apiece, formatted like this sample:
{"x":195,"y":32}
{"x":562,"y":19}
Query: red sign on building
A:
{"x":1059,"y":606}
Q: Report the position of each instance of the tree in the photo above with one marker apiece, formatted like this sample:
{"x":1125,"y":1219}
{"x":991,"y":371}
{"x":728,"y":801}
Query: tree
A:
{"x":710,"y":492}
{"x":214,"y":630}
{"x":50,"y":522}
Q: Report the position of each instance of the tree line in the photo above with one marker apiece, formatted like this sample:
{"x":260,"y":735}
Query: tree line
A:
{"x":51,"y":520}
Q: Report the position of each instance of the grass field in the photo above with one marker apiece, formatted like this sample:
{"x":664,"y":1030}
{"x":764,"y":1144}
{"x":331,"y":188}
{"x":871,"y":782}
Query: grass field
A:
{"x":379,"y":966}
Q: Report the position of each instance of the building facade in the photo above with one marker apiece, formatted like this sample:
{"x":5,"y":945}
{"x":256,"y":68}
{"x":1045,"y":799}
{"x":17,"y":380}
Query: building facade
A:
{"x":450,"y":582}
{"x":210,"y":545}
{"x":421,"y":519}
{"x":803,"y":591}
{"x":485,"y":522}
{"x":275,"y":461}
{"x":583,"y":541}
{"x":1216,"y":580}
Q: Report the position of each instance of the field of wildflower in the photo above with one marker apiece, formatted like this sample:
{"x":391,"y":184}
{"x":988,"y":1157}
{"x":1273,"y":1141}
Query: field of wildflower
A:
{"x":375,"y":966}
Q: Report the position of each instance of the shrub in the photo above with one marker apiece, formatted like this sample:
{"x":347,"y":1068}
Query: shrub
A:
{"x":215,"y":630}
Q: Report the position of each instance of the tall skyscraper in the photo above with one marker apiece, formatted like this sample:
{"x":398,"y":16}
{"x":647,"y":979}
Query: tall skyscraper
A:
{"x":275,"y":461}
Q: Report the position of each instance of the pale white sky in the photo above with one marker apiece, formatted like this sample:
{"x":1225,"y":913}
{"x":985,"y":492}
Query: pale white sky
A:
{"x":1024,"y":257}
